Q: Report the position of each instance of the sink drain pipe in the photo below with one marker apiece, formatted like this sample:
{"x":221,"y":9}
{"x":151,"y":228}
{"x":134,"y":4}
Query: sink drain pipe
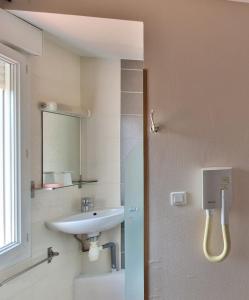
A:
{"x":111,"y":245}
{"x":113,"y":249}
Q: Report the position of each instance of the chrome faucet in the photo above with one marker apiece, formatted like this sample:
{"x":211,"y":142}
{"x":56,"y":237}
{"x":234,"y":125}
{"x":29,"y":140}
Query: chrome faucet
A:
{"x":86,"y":204}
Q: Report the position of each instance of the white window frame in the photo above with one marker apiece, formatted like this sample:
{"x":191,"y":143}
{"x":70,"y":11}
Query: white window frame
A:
{"x":21,"y":250}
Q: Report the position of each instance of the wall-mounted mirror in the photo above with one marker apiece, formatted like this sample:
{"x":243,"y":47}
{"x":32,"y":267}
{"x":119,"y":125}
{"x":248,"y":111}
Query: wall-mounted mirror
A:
{"x":61,"y":149}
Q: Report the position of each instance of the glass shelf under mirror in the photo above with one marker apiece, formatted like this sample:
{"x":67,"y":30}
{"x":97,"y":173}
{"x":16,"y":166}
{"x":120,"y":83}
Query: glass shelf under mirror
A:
{"x":75,"y":183}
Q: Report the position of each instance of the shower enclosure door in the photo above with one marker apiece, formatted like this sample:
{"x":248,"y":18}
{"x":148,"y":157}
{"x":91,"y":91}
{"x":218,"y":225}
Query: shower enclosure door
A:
{"x":132,"y":176}
{"x":134,"y":224}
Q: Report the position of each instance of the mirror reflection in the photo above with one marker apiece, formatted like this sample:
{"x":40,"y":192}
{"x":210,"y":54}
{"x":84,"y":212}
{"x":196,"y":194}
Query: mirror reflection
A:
{"x":61,"y":149}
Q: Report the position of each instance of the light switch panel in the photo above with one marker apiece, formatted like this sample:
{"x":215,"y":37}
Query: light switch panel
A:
{"x":178,"y":198}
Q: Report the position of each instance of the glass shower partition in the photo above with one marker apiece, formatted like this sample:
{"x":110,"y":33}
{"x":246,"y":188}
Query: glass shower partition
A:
{"x":134,"y":224}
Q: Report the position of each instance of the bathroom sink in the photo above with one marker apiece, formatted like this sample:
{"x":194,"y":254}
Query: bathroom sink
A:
{"x":90,"y":223}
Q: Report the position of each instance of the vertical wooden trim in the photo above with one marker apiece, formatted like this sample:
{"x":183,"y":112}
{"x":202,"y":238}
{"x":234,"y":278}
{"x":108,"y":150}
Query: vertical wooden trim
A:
{"x":146,"y":189}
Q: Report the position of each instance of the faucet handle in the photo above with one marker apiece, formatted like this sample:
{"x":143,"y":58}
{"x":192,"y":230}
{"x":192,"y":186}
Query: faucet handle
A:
{"x":86,"y":203}
{"x":87,"y":200}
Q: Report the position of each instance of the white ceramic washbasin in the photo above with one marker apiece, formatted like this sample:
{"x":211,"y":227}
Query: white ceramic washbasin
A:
{"x":90,"y":223}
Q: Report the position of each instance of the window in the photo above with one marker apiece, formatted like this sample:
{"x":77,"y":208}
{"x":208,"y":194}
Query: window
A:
{"x":9,"y":202}
{"x":14,"y":169}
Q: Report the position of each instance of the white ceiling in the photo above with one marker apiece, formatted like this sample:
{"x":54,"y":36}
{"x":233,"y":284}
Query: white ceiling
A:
{"x":90,"y":36}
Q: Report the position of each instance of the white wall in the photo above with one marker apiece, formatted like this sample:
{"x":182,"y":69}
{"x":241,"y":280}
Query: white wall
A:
{"x":100,"y":92}
{"x":196,"y":53}
{"x":54,"y":77}
{"x":20,"y":34}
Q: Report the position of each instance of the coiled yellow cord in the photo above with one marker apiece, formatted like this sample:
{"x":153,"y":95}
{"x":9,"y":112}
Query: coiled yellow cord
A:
{"x":226,"y":241}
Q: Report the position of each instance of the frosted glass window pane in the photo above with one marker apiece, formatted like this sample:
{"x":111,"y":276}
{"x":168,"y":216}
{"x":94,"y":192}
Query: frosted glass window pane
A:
{"x":8,"y":203}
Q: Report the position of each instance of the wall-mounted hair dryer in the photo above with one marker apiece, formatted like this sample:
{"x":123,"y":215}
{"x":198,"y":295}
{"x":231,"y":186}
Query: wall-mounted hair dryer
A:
{"x":217,"y":194}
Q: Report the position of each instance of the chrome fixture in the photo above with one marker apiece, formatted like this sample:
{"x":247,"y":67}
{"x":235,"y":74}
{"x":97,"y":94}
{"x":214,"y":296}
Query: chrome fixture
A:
{"x":81,"y":181}
{"x":154,"y":128}
{"x":50,"y":255}
{"x":86,"y":204}
{"x":113,"y":248}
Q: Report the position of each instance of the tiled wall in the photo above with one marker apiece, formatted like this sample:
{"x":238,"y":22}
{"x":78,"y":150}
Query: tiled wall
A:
{"x":131,"y":120}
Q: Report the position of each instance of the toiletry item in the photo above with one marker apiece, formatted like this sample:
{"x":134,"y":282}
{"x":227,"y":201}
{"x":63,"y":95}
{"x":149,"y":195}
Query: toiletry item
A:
{"x":67,"y":178}
{"x":51,"y":106}
{"x":48,"y":177}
